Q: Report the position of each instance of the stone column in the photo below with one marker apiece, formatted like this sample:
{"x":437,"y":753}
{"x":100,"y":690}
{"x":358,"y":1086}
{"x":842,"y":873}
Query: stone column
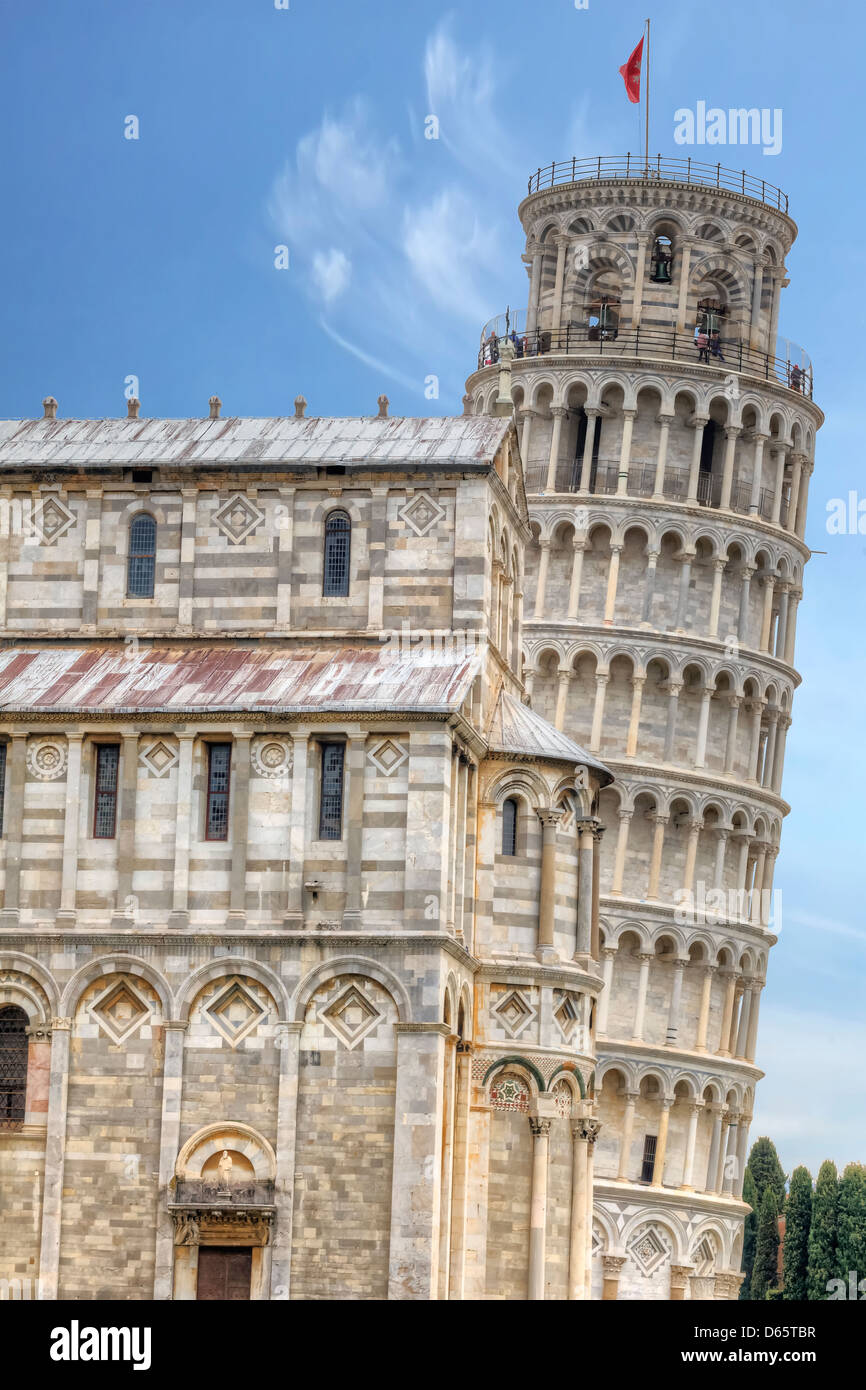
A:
{"x":608,"y":954}
{"x":640,"y":1008}
{"x":169,"y":1147}
{"x":649,"y":588}
{"x":756,"y":708}
{"x":550,"y":819}
{"x":612,"y":1265}
{"x":540,"y":1126}
{"x":584,"y":894}
{"x":179,"y":916}
{"x":803,"y":499}
{"x":743,"y":621}
{"x":757,"y":293}
{"x":683,"y":597}
{"x":559,"y":412}
{"x":716,"y":598}
{"x":619,"y":856}
{"x":576,"y":575}
{"x":797,"y":461}
{"x":294,"y":913}
{"x":284,"y":546}
{"x":767,"y":620}
{"x":721,"y":851}
{"x":593,"y":1127}
{"x":778,"y":454}
{"x":691,"y":856}
{"x":782,"y":624}
{"x":704,"y":1012}
{"x":659,"y":823}
{"x":55,"y":1155}
{"x":752,"y":1037}
{"x":703,"y":725}
{"x":790,"y":635}
{"x":728,"y":1183}
{"x":642,"y":239}
{"x":598,"y":712}
{"x":240,"y":828}
{"x":770,"y":751}
{"x":563,"y":681}
{"x":743,"y":1029}
{"x":16,"y":774}
{"x":289,"y":1044}
{"x":661,"y":1142}
{"x":540,"y":591}
{"x":377,"y":548}
{"x":592,"y":414}
{"x":700,"y":422}
{"x":634,"y":720}
{"x":460,"y":1181}
{"x":732,"y":434}
{"x":597,"y":834}
{"x":625,"y":452}
{"x":731,"y":740}
{"x":525,"y":417}
{"x":612,"y":580}
{"x":126,"y":831}
{"x":730,"y":978}
{"x":559,"y":282}
{"x":69,"y":880}
{"x":625,"y":1140}
{"x":742,"y":1144}
{"x":352,"y":914}
{"x":756,"y":905}
{"x":695,"y":1108}
{"x":682,"y":299}
{"x":665,"y":422}
{"x":537,"y":254}
{"x":674,"y":688}
{"x":577,"y":1233}
{"x":679,"y":1281}
{"x":678,"y":967}
{"x":719,"y":1180}
{"x":416,"y":1186}
{"x":755,"y":498}
{"x":717,"y":1111}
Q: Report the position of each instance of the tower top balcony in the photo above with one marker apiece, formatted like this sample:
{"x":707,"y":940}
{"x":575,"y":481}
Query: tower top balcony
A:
{"x":603,"y":337}
{"x":655,"y":170}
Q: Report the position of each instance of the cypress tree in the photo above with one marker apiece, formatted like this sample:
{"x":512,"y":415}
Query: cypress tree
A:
{"x":822,"y":1233}
{"x":851,"y":1223}
{"x":798,"y":1218}
{"x":767,"y":1171}
{"x":750,"y":1233}
{"x":765,"y":1271}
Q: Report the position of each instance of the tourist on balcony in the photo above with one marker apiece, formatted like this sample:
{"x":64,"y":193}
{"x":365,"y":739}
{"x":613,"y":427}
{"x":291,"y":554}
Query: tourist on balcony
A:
{"x":702,"y":343}
{"x":491,"y":353}
{"x":796,"y":378}
{"x":716,"y":345}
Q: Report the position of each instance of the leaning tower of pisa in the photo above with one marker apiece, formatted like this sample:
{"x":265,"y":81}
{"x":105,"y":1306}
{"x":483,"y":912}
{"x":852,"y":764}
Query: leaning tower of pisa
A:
{"x":667,"y":434}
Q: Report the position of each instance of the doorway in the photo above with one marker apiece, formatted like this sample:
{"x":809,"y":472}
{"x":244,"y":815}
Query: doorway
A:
{"x":224,"y":1273}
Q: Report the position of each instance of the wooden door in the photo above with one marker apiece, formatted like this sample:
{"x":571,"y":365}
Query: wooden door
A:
{"x":224,"y":1272}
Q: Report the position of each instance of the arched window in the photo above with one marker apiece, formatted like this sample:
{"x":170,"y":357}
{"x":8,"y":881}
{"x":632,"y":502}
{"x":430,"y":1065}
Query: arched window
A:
{"x":141,"y":566}
{"x":509,"y":826}
{"x":13,"y":1065}
{"x":338,"y":545}
{"x":661,"y":260}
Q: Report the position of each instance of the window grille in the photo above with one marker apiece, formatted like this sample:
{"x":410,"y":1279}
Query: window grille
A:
{"x":218,"y":772}
{"x":338,"y":537}
{"x":331,"y":796}
{"x":13,"y":1066}
{"x":509,"y":826}
{"x":2,"y":786}
{"x":141,"y":568}
{"x":649,"y":1158}
{"x":105,"y":800}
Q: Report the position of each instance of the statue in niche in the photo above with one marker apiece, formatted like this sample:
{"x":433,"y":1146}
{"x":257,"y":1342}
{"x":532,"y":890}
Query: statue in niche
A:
{"x":225,"y":1168}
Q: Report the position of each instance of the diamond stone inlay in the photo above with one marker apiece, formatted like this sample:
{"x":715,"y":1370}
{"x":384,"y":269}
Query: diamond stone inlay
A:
{"x":159,"y":758}
{"x":421,"y":514}
{"x":388,"y":756}
{"x":351,"y":1016}
{"x":235,"y":1012}
{"x":238,"y":518}
{"x":51,"y":520}
{"x":120,"y":1010}
{"x":567,"y":1017}
{"x":648,"y":1250}
{"x":514,"y":1013}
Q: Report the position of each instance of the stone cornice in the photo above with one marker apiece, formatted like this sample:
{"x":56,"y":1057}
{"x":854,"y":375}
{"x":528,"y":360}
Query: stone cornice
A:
{"x":674,"y":776}
{"x":519,"y":972}
{"x":677,"y":1059}
{"x":640,"y":1192}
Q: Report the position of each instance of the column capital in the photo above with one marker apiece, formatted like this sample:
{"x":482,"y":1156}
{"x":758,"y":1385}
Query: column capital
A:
{"x":559,"y":411}
{"x":548,"y":815}
{"x":539,"y":1126}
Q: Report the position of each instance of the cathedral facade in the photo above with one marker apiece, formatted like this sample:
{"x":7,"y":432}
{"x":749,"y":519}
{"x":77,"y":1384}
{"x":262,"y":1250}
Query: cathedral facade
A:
{"x":299,"y":951}
{"x":389,"y":806}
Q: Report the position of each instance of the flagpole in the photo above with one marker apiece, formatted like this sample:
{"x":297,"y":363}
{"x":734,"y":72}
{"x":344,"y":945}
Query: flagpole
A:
{"x":647,"y":98}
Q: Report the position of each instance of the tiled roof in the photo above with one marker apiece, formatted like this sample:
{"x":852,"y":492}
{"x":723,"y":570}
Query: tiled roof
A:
{"x":516,"y":728}
{"x":453,"y":440}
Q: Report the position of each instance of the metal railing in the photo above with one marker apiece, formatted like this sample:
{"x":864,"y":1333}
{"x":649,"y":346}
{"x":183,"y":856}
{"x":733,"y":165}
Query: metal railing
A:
{"x":657,"y":167}
{"x":198,"y":1192}
{"x":604,"y":482}
{"x":792,"y":369}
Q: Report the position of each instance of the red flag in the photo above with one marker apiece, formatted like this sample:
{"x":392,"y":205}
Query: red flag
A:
{"x":630,"y":72}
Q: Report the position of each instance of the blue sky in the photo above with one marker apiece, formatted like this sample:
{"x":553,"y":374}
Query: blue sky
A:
{"x":304,"y":127}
